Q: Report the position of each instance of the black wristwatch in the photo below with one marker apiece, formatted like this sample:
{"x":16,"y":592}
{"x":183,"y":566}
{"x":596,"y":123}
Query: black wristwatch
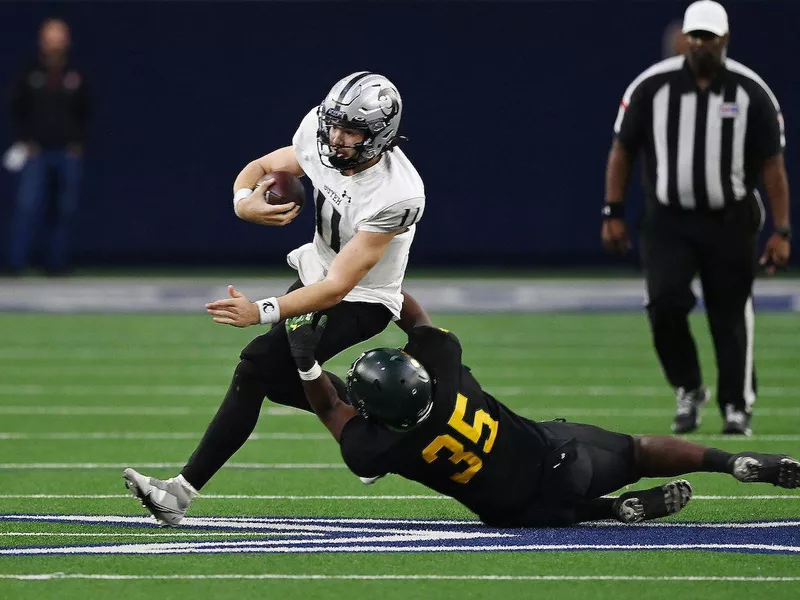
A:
{"x":784,"y":232}
{"x":613,"y":210}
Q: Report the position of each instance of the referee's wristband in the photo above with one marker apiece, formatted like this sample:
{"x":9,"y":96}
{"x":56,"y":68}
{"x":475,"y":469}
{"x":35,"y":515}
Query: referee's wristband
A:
{"x":613,"y":210}
{"x":238,"y":197}
{"x":312,"y":374}
{"x":268,"y":310}
{"x":784,"y":232}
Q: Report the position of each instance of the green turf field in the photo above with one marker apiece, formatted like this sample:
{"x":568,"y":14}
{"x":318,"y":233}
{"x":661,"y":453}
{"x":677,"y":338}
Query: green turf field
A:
{"x":83,"y":396}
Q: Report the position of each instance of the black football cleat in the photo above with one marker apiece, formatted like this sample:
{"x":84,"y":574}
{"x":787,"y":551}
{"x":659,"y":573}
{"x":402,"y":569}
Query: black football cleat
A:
{"x":778,"y":469}
{"x":655,"y":503}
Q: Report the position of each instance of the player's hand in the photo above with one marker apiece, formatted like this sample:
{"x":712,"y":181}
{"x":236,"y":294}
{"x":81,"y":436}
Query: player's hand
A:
{"x":304,"y":335}
{"x":615,"y":236}
{"x":255,"y":209}
{"x":776,"y":253}
{"x":236,"y":310}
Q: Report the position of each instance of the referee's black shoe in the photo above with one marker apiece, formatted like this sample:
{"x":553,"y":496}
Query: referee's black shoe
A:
{"x":657,"y":502}
{"x":687,"y":417}
{"x":778,"y":469}
{"x":737,"y":422}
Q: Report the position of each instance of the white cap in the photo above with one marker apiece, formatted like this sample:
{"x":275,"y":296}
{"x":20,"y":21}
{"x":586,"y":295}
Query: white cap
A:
{"x":706,"y":15}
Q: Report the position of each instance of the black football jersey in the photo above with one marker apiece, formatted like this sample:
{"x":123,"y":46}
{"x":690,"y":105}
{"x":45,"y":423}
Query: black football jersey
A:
{"x":471,"y":447}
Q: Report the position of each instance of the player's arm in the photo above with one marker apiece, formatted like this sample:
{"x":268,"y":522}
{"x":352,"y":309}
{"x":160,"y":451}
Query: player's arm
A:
{"x":767,"y":144}
{"x":412,"y":315}
{"x":249,"y":204}
{"x":350,"y":266}
{"x":304,"y":336}
{"x":629,"y":129}
{"x":283,"y":159}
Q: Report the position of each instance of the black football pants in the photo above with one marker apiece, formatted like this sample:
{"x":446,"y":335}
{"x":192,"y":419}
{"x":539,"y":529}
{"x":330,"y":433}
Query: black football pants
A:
{"x":267,"y":370}
{"x":721,"y":249}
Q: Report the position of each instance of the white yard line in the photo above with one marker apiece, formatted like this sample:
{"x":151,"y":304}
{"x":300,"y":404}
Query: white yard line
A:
{"x":164,"y":465}
{"x":148,"y":411}
{"x":533,"y":391}
{"x":420,"y":577}
{"x":120,"y":435}
{"x":304,"y":497}
{"x":280,"y":411}
{"x":174,"y":534}
{"x":289,"y":436}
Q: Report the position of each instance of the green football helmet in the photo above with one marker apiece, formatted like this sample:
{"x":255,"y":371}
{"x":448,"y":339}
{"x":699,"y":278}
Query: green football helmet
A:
{"x":390,"y":387}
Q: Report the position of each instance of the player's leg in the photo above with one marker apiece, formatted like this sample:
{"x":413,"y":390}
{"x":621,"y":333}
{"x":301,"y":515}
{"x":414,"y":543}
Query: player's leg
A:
{"x":614,"y":461}
{"x":602,"y":462}
{"x":57,"y":253}
{"x":266,"y":369}
{"x":727,"y":272}
{"x":670,"y":263}
{"x":28,"y":207}
{"x":664,"y":456}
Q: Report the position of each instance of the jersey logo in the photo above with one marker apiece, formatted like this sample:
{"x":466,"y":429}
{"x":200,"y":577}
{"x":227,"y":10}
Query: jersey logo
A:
{"x":729,"y":110}
{"x":335,"y":197}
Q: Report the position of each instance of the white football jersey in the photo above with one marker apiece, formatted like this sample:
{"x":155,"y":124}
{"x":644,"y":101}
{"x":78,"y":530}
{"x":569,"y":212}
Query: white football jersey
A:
{"x":386,"y":197}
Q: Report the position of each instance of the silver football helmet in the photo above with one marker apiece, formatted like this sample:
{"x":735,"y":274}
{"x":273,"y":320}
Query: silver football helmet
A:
{"x":365,"y":101}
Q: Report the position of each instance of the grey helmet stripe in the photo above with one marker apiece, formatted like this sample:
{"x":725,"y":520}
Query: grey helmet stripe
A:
{"x":350,"y":84}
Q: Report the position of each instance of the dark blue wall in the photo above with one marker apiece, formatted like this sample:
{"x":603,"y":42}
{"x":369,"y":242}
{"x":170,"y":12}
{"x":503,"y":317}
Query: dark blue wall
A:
{"x":508,"y":107}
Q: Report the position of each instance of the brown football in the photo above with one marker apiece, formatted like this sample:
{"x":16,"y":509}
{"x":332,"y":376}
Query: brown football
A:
{"x":287,"y":188}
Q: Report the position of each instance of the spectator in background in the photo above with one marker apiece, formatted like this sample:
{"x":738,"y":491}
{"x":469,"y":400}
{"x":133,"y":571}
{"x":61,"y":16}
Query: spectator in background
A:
{"x":50,"y":115}
{"x":674,"y":41}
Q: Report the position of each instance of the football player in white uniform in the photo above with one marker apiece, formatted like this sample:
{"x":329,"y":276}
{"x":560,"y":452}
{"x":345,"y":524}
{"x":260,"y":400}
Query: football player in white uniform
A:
{"x":368,"y":199}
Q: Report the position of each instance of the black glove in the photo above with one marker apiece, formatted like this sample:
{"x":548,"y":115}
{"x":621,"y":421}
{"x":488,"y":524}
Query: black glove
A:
{"x":304,"y":335}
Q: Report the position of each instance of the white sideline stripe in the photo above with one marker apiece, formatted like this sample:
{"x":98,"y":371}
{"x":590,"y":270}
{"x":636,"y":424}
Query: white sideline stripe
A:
{"x":165,"y":465}
{"x":276,"y":411}
{"x":223,"y":497}
{"x":152,"y":411}
{"x":153,"y":535}
{"x":533,"y":391}
{"x":302,"y":497}
{"x":322,"y":577}
{"x":120,"y":435}
{"x":291,"y":549}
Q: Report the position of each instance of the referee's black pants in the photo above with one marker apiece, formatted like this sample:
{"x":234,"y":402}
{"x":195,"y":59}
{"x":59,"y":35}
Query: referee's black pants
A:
{"x":720,"y":247}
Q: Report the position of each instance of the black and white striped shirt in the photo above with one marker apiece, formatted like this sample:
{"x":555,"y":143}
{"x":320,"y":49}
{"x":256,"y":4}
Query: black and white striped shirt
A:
{"x":702,"y":149}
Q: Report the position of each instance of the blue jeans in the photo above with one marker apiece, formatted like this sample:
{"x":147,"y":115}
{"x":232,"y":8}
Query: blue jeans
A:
{"x":29,"y":209}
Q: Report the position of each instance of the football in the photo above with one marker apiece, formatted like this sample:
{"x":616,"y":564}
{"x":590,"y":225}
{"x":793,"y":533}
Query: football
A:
{"x":287,"y":188}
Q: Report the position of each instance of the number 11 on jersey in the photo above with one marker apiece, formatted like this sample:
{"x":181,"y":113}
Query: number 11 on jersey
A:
{"x":335,"y":220}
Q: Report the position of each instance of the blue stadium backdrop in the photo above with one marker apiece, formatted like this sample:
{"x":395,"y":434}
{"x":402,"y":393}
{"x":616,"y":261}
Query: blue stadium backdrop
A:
{"x":508,"y":106}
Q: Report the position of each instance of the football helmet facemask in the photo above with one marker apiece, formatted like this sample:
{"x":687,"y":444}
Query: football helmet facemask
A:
{"x":364,"y":101}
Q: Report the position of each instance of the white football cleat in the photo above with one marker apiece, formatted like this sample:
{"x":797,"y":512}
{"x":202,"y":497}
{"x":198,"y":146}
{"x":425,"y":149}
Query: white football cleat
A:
{"x":167,"y":500}
{"x":369,"y":480}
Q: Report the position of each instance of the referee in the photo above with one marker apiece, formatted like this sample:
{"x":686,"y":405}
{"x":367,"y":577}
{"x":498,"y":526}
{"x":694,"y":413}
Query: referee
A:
{"x":707,"y":127}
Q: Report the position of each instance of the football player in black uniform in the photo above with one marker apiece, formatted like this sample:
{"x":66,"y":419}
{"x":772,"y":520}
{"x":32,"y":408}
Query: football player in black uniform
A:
{"x":420,"y":413}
